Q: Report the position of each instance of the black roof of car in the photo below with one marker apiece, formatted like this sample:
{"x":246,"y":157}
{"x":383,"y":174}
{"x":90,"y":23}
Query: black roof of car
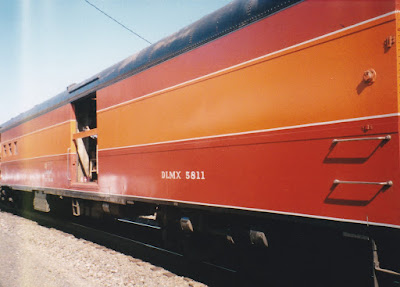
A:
{"x":231,"y":17}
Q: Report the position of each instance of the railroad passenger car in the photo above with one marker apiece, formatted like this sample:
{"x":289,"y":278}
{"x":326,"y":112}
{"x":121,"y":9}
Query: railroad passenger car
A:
{"x":260,"y":117}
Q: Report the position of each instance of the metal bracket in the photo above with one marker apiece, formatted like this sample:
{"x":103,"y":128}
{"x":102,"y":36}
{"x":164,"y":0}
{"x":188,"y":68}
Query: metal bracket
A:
{"x":385,"y":138}
{"x":376,"y":261}
{"x":258,"y":238}
{"x":384,"y":183}
{"x":76,"y":209}
{"x":390,"y":41}
{"x":186,"y":224}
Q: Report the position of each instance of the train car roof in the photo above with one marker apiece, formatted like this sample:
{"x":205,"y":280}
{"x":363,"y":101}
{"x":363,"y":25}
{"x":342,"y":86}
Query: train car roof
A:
{"x":231,"y":17}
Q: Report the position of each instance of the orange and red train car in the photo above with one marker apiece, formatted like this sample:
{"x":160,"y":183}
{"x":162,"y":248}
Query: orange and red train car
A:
{"x":283,"y":111}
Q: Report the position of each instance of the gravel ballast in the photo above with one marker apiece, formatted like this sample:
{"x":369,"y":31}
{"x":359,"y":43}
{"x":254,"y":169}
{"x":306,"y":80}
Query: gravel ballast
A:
{"x":33,"y":255}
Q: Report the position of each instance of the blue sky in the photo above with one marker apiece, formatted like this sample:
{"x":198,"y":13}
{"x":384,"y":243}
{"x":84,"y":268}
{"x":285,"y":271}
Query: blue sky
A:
{"x":47,"y":45}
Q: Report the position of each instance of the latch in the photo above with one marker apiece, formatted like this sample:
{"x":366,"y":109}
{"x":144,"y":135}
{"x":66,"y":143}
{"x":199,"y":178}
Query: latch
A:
{"x":389,"y":41}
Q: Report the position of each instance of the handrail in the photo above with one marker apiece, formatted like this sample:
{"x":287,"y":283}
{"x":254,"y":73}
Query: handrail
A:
{"x":68,"y":162}
{"x":384,"y":183}
{"x":385,"y":138}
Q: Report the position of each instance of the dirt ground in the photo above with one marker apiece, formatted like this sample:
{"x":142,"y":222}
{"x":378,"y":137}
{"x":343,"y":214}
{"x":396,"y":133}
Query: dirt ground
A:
{"x":33,"y":255}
